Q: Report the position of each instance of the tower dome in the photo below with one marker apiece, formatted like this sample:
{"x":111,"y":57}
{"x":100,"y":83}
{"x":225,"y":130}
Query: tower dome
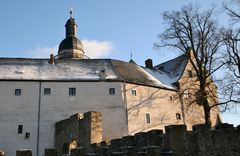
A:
{"x":71,"y":46}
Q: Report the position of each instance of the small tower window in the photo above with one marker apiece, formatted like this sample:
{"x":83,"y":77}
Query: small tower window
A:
{"x":178,"y":116}
{"x":18,"y":92}
{"x":72,"y":91}
{"x":190,"y":73}
{"x":20,"y":129}
{"x":148,"y":118}
{"x":133,"y":92}
{"x":47,"y":91}
{"x":112,"y":91}
{"x":27,"y":135}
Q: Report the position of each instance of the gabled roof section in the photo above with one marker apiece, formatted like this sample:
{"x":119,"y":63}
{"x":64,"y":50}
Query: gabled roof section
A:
{"x":173,"y":68}
{"x":133,"y":73}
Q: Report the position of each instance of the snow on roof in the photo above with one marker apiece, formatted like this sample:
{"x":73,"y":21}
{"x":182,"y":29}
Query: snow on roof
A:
{"x":160,"y":77}
{"x":136,"y":74}
{"x":173,"y":68}
{"x":92,"y":70}
{"x":40,"y":69}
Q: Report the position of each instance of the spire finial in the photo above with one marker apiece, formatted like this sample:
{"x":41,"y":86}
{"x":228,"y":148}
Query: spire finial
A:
{"x":71,"y":11}
{"x":131,"y":55}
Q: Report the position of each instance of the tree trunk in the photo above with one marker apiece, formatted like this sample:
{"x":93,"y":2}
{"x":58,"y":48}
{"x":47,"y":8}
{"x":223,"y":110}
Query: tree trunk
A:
{"x":206,"y":106}
{"x":207,"y":117}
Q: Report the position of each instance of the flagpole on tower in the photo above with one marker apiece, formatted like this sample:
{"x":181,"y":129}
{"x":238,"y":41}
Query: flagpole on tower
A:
{"x":71,"y":11}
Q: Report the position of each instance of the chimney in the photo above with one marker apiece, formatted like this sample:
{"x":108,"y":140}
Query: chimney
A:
{"x":51,"y":59}
{"x":149,"y":64}
{"x":102,"y":74}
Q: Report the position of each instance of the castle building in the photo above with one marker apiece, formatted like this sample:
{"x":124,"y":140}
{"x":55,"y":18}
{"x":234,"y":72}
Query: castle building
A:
{"x":37,"y":93}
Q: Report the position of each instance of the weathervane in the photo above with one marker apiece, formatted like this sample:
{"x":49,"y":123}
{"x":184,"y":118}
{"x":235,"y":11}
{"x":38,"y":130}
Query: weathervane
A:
{"x":71,"y":11}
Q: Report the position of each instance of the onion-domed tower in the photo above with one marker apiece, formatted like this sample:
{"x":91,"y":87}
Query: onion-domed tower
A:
{"x":71,"y":46}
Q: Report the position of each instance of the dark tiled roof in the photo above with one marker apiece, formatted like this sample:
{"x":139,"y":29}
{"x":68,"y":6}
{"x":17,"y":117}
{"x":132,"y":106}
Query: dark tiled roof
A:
{"x":70,"y":43}
{"x":132,"y":73}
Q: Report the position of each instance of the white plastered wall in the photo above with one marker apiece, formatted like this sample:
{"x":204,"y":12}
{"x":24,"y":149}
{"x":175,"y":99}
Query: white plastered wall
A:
{"x":90,"y":96}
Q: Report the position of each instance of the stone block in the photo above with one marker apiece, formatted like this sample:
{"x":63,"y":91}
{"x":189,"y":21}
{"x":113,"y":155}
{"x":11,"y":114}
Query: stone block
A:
{"x":225,"y":140}
{"x":80,"y":130}
{"x":225,"y":127}
{"x":24,"y":152}
{"x":155,"y":138}
{"x":129,"y":151}
{"x":103,"y":151}
{"x":103,"y":144}
{"x":116,"y":144}
{"x":238,"y":127}
{"x":153,"y":151}
{"x":201,"y":128}
{"x":78,"y":151}
{"x":51,"y":152}
{"x":93,"y":148}
{"x":201,"y":139}
{"x":176,"y":139}
{"x":128,"y":141}
{"x":140,"y":140}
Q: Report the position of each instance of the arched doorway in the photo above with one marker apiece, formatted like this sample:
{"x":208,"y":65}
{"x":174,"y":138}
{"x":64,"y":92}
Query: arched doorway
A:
{"x":72,"y":145}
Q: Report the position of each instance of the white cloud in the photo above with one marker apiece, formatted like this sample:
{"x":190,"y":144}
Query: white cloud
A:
{"x":92,"y":48}
{"x":97,"y":49}
{"x":42,"y":52}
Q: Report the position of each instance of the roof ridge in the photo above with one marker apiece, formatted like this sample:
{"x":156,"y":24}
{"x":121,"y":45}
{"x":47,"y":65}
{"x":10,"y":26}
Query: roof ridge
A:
{"x":171,"y":59}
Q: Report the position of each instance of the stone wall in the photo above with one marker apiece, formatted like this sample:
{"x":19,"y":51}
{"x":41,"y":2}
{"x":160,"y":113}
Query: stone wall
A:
{"x":80,"y":130}
{"x":223,"y":141}
{"x":177,"y":141}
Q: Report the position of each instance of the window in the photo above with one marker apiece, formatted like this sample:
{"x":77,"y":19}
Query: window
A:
{"x":27,"y":135}
{"x":18,"y":92}
{"x":20,"y":129}
{"x":186,"y":93}
{"x":189,"y":73}
{"x":47,"y":91}
{"x":148,"y":118}
{"x":133,"y":92}
{"x":111,"y":91}
{"x":170,"y":98}
{"x":178,"y":116}
{"x":72,"y":91}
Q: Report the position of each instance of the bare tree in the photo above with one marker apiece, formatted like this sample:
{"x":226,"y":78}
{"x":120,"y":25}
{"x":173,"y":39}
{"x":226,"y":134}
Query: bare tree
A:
{"x":231,"y":38}
{"x":232,"y":10}
{"x":195,"y":29}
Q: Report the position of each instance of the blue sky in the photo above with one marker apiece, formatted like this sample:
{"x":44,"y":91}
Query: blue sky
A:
{"x":108,"y":28}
